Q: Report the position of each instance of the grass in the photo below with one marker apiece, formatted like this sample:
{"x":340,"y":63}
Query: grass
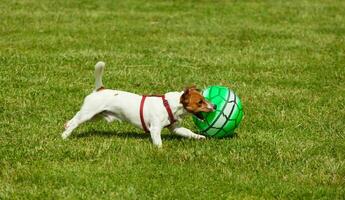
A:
{"x":285,"y":59}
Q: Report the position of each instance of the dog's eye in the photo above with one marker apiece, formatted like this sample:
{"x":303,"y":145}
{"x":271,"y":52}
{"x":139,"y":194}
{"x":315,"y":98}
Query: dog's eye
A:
{"x":200,"y":102}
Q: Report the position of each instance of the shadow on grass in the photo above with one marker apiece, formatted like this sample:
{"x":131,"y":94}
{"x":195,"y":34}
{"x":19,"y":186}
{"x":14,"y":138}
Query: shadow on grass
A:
{"x":135,"y":135}
{"x":233,"y":136}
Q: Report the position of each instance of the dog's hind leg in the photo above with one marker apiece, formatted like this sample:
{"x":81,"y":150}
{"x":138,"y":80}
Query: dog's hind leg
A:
{"x":81,"y":117}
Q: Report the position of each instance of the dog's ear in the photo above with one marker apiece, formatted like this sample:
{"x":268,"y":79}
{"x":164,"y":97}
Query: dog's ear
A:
{"x":184,"y":100}
{"x":192,"y":87}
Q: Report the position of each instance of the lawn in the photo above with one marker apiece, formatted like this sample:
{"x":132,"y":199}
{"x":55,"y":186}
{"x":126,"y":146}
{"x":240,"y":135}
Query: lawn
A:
{"x":284,"y":59}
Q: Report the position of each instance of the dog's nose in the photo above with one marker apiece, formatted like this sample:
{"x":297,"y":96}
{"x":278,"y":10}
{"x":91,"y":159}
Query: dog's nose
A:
{"x":214,"y":106}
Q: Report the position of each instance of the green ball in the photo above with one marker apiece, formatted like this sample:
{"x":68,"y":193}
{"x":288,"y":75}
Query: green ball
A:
{"x":228,"y":114}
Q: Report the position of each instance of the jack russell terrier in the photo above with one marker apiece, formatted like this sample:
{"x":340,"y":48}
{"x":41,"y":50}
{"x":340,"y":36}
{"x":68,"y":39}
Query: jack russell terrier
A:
{"x":151,"y":113}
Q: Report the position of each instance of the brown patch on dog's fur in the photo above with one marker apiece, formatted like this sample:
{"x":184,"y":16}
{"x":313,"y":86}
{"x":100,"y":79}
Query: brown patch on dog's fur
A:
{"x":193,"y":101}
{"x":101,"y":88}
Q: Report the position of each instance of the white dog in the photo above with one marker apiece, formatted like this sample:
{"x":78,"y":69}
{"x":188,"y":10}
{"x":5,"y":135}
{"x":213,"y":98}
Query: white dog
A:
{"x":151,"y":113}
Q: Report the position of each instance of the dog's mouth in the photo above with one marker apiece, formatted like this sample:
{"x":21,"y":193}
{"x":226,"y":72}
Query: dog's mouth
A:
{"x":200,"y":116}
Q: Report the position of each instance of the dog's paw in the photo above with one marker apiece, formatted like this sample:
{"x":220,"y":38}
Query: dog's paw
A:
{"x":199,"y":137}
{"x":158,"y":146}
{"x":64,"y":136}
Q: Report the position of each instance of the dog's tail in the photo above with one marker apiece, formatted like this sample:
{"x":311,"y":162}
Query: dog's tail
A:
{"x":99,"y":68}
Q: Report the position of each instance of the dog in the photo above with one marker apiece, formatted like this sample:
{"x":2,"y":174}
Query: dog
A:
{"x":151,"y":113}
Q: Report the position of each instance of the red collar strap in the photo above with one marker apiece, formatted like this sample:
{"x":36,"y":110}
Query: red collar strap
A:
{"x":166,"y":105}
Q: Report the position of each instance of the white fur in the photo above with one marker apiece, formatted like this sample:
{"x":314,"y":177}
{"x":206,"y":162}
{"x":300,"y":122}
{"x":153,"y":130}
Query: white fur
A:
{"x":99,"y":68}
{"x":119,"y":105}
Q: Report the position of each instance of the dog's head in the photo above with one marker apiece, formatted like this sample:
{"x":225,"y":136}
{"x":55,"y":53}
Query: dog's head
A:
{"x":193,"y":101}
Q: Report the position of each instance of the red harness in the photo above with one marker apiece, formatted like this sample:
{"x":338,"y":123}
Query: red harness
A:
{"x":166,"y":105}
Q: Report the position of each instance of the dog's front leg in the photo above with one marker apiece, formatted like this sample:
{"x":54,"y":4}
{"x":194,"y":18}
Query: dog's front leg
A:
{"x":155,"y":132}
{"x":184,"y":132}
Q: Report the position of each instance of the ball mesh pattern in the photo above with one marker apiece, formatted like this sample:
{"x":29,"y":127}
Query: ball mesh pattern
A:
{"x":226,"y":118}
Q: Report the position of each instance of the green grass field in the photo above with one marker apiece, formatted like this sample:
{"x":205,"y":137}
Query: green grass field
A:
{"x":285,"y":59}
